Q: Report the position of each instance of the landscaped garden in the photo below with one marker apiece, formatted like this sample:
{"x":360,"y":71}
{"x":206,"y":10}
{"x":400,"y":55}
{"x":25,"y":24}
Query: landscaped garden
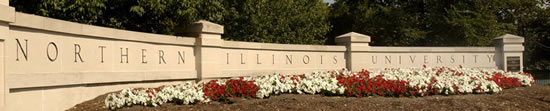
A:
{"x":385,"y":85}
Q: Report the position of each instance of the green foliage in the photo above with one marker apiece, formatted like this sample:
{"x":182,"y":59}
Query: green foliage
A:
{"x":425,"y":23}
{"x":276,"y":21}
{"x":391,"y":22}
{"x":83,"y":11}
{"x":155,"y":16}
{"x":447,"y":23}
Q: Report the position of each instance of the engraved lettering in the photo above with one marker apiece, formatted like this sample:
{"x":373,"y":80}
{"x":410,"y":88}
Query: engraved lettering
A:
{"x":227,"y":56}
{"x":181,"y":59}
{"x":122,"y":55}
{"x":288,"y":59}
{"x":412,"y":58}
{"x":475,"y":58}
{"x":143,"y":56}
{"x":48,"y":51}
{"x":24,"y":51}
{"x":388,"y":60}
{"x":306,"y":57}
{"x":101,"y":48}
{"x":335,"y":60}
{"x":452,"y":59}
{"x":77,"y":52}
{"x":161,"y":57}
{"x":400,"y":59}
{"x":321,"y":59}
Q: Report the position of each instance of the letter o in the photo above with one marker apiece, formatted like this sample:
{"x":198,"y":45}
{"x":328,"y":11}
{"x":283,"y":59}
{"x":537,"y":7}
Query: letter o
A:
{"x":48,"y":51}
{"x":304,"y":59}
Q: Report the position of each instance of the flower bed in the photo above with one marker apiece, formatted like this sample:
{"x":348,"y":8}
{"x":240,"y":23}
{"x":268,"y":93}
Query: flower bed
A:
{"x":389,"y":82}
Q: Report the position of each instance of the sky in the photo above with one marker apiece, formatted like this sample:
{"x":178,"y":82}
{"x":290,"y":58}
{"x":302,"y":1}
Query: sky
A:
{"x":328,"y":1}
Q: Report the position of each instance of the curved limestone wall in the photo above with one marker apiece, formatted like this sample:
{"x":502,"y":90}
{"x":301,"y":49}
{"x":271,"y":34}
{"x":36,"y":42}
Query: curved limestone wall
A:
{"x":49,"y":65}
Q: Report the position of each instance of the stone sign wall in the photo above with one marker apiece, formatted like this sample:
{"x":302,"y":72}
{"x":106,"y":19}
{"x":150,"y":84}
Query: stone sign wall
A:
{"x":386,"y":57}
{"x":53,"y":64}
{"x":243,"y":59}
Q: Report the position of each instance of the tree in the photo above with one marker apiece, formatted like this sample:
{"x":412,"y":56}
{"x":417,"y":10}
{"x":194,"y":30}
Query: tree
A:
{"x":531,"y":19}
{"x":447,"y":23}
{"x":414,"y":22}
{"x":388,"y":22}
{"x":464,"y":23}
{"x":276,"y":21}
{"x":155,"y":16}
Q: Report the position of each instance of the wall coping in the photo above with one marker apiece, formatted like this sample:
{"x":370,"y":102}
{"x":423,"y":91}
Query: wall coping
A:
{"x":281,"y":47}
{"x":56,"y":25}
{"x":429,"y":49}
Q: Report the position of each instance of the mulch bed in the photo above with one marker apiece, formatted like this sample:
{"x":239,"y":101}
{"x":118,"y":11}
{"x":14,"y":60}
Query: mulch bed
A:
{"x":536,"y":97}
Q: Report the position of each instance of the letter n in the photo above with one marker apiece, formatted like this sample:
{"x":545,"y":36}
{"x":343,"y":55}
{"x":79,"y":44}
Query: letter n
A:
{"x":24,"y":51}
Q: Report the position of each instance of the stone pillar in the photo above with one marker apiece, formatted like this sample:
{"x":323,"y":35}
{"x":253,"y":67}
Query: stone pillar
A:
{"x":509,"y":52}
{"x":7,"y":15}
{"x":354,"y":42}
{"x":207,"y":48}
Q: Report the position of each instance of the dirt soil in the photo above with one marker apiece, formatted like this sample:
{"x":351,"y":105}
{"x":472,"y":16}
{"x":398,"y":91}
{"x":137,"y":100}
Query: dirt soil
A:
{"x":536,"y":97}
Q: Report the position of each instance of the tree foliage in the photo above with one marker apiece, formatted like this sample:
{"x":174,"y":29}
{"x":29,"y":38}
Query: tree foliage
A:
{"x":447,"y":23}
{"x":419,"y":22}
{"x":277,"y":21}
{"x":155,"y":16}
{"x":274,"y":21}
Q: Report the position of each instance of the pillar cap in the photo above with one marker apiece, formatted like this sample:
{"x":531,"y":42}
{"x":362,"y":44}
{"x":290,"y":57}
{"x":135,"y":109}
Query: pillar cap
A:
{"x":7,"y":14}
{"x":203,"y":26}
{"x":509,"y":38}
{"x":352,"y":37}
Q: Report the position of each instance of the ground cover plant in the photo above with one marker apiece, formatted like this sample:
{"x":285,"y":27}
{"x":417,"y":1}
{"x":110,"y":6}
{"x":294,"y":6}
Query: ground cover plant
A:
{"x":392,"y":82}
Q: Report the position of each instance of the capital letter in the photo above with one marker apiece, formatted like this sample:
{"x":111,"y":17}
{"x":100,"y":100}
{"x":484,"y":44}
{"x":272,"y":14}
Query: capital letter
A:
{"x":143,"y":56}
{"x":321,"y":59}
{"x":227,"y":55}
{"x":412,"y":58}
{"x":388,"y":60}
{"x":77,"y":53}
{"x":161,"y":57}
{"x":123,"y":55}
{"x":335,"y":60}
{"x":288,"y":59}
{"x":48,"y":51}
{"x":399,"y":59}
{"x":181,"y":59}
{"x":102,"y":47}
{"x":24,"y":51}
{"x":304,"y":59}
{"x":452,"y":59}
{"x":475,"y":58}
